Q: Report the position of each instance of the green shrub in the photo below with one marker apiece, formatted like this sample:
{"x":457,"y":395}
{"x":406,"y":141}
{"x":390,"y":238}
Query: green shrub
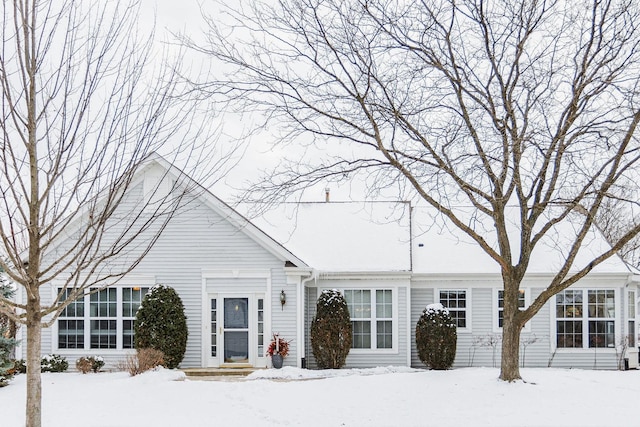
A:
{"x":89,"y":364}
{"x":436,"y":337}
{"x":161,"y":324}
{"x":53,"y":363}
{"x":331,"y":332}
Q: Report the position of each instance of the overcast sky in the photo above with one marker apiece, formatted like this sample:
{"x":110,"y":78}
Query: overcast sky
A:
{"x":185,"y":17}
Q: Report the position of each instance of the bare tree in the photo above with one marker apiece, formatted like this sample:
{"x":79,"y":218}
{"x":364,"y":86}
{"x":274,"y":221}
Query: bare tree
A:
{"x":83,"y":109}
{"x":615,"y":217}
{"x":482,"y":104}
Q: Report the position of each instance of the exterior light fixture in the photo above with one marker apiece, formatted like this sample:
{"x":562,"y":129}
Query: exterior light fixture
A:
{"x":283,"y":298}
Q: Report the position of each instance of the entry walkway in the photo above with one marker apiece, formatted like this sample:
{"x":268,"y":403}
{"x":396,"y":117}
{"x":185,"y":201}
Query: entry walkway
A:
{"x":217,"y":373}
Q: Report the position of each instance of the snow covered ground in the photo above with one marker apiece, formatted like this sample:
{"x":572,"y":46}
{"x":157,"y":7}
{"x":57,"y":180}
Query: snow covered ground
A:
{"x":365,"y":397}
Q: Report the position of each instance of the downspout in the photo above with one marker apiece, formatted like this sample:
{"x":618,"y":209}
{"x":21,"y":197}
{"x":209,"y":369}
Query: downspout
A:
{"x":301,"y":319}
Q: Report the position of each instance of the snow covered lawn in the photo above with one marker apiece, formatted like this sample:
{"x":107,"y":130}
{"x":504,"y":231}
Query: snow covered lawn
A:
{"x":366,"y":397}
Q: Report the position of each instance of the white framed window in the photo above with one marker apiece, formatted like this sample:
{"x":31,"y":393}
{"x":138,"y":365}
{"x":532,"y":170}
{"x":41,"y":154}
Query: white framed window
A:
{"x":131,"y":300}
{"x":522,"y":303}
{"x":372,"y":321}
{"x":71,"y":324}
{"x":100,"y":320}
{"x":457,"y":302}
{"x":585,"y":318}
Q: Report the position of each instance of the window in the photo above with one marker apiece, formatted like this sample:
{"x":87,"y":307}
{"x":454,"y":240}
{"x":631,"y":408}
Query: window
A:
{"x":521,"y":304}
{"x":71,"y":323}
{"x":131,"y":300}
{"x":371,"y":317}
{"x":585,"y":318}
{"x":456,"y":303}
{"x":261,"y":349}
{"x":214,"y":327}
{"x":101,"y":320}
{"x":569,"y":319}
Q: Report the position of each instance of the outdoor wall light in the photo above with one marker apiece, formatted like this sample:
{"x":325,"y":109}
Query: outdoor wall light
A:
{"x":283,"y":298}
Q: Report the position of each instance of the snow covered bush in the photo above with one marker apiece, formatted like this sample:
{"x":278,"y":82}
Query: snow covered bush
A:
{"x":89,"y":364}
{"x":436,"y":337}
{"x":162,"y":325}
{"x":331,"y":332}
{"x":53,"y":363}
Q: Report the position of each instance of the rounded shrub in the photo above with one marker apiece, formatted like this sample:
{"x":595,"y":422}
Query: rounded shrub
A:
{"x":436,"y":337}
{"x":53,"y":363}
{"x":162,"y":325}
{"x":331,"y":332}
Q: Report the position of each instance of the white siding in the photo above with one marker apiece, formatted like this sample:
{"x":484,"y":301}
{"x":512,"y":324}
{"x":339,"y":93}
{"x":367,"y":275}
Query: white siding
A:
{"x":197,"y":239}
{"x":481,"y":345}
{"x":360,"y":358}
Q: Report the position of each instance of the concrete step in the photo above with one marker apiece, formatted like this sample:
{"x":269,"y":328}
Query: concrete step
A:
{"x":217,"y":372}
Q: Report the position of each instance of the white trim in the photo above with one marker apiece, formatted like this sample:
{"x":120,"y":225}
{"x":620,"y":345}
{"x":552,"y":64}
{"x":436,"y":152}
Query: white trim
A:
{"x":206,"y":323}
{"x":237,"y":273}
{"x":409,"y":344}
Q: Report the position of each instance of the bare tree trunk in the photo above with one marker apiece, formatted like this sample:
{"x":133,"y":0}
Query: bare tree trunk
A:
{"x":34,"y":382}
{"x":509,"y":365}
{"x":511,"y":327}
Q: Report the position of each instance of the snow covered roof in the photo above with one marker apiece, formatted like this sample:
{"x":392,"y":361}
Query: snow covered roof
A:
{"x":343,"y":236}
{"x":375,"y":237}
{"x":441,"y":248}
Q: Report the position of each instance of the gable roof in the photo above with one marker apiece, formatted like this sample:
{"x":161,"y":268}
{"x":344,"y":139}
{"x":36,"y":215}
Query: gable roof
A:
{"x":379,"y":236}
{"x":155,"y":168}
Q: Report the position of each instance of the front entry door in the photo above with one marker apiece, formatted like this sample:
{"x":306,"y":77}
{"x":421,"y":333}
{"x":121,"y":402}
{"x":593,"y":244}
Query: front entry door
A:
{"x":235,"y":331}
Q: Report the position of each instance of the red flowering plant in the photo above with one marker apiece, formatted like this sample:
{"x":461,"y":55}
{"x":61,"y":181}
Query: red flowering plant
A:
{"x":278,"y":346}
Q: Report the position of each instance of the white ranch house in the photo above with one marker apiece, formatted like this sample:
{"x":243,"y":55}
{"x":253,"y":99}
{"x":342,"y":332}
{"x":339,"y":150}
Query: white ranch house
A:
{"x":241,"y":281}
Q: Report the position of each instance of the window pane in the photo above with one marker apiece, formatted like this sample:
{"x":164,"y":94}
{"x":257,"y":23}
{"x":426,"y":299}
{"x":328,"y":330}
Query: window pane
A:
{"x":70,"y":333}
{"x":601,"y":303}
{"x":236,"y":313}
{"x":569,"y":334}
{"x":384,"y":305}
{"x":103,"y":303}
{"x":384,"y":334}
{"x":131,"y":300}
{"x":359,"y":303}
{"x":361,"y":334}
{"x":214,"y":327}
{"x":569,"y":304}
{"x":103,"y":334}
{"x":127,"y":334}
{"x":601,"y":333}
{"x":74,"y":309}
{"x":260,"y":327}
